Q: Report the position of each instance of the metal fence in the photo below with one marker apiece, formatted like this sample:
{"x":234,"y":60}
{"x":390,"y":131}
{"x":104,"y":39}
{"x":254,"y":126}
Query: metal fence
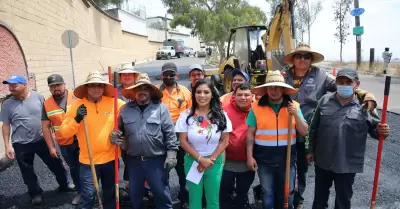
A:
{"x":129,"y":6}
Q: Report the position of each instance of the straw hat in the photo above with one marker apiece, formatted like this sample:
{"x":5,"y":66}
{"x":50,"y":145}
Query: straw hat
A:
{"x":94,"y":77}
{"x":303,"y":47}
{"x":274,"y":78}
{"x":143,"y":79}
{"x":127,"y":68}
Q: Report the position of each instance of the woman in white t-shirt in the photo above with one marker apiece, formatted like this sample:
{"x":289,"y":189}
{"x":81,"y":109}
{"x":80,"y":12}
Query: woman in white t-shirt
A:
{"x":203,"y":132}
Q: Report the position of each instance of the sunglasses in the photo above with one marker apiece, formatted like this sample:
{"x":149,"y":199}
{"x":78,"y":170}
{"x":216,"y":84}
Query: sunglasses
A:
{"x":168,"y":75}
{"x":305,"y":56}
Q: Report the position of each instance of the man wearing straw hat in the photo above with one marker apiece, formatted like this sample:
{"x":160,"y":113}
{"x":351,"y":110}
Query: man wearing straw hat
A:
{"x":97,"y":106}
{"x":148,"y":131}
{"x":269,"y":138}
{"x":311,"y":83}
{"x":126,"y":77}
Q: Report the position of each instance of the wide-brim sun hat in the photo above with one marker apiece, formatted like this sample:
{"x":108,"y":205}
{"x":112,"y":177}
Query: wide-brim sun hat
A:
{"x":303,"y":48}
{"x":127,"y":68}
{"x":143,"y":79}
{"x":274,"y":78}
{"x":94,"y":77}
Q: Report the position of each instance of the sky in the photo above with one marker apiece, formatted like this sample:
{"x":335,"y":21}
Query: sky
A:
{"x":380,"y":21}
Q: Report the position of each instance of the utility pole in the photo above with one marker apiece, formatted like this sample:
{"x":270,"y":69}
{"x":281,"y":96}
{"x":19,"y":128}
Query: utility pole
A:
{"x":358,"y":37}
{"x":165,"y":26}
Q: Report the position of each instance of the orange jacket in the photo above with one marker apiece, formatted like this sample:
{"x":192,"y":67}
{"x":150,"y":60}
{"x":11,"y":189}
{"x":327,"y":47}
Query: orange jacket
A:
{"x":100,"y":120}
{"x":226,"y":98}
{"x":178,"y":101}
{"x":56,"y":115}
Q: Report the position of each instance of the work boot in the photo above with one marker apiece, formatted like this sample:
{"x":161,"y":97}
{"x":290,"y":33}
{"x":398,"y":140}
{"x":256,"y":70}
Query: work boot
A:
{"x":37,"y":200}
{"x":299,"y":206}
{"x":76,"y":199}
{"x":184,"y":205}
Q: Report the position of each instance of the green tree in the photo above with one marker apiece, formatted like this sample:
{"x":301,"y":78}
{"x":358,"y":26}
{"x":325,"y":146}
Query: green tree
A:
{"x":342,"y":9}
{"x":211,"y":20}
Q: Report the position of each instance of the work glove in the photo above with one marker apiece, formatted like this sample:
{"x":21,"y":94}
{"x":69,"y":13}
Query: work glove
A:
{"x":170,"y":161}
{"x":116,"y":138}
{"x":81,"y":112}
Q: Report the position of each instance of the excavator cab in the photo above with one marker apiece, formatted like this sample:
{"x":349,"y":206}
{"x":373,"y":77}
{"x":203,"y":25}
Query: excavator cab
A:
{"x":246,"y":51}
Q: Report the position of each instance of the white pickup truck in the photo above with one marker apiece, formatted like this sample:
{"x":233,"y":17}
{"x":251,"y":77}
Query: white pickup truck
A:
{"x":166,"y":52}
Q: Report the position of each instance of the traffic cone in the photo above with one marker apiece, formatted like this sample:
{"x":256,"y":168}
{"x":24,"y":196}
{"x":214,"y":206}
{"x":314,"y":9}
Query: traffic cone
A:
{"x":334,"y":72}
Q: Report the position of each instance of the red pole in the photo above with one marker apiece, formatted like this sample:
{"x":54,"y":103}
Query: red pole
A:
{"x":109,"y":74}
{"x":116,"y":146}
{"x":380,"y":145}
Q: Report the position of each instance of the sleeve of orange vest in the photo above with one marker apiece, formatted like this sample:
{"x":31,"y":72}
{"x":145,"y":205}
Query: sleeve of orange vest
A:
{"x":365,"y":96}
{"x":167,"y":128}
{"x":373,"y":121}
{"x":313,"y":129}
{"x":69,"y":126}
{"x":189,"y":100}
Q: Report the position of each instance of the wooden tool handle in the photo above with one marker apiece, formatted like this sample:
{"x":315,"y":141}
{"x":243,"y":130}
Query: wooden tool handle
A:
{"x":288,"y":154}
{"x":94,"y":175}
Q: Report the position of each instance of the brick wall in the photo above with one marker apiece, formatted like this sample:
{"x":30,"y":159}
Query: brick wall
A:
{"x":39,"y":24}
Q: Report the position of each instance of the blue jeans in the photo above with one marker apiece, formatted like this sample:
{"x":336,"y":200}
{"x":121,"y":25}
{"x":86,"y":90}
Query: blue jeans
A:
{"x":272,"y":180}
{"x":105,"y":172}
{"x":25,"y":155}
{"x":70,"y":154}
{"x":152,"y":170}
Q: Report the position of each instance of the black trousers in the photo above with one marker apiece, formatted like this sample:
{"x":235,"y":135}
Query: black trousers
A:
{"x":25,"y":155}
{"x":343,"y":188}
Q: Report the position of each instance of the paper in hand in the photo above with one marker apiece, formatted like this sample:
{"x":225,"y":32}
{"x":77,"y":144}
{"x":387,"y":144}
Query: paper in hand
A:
{"x":194,"y":175}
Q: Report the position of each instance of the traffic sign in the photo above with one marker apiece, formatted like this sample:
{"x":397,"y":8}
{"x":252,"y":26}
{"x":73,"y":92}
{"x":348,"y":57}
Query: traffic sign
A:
{"x":358,"y":30}
{"x":357,"y":11}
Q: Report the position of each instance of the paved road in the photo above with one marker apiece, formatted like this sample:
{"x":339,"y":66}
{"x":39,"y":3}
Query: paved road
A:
{"x":13,"y":191}
{"x":153,"y":68}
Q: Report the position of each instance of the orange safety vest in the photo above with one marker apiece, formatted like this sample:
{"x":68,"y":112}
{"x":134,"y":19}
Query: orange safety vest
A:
{"x":270,"y":132}
{"x":56,"y":115}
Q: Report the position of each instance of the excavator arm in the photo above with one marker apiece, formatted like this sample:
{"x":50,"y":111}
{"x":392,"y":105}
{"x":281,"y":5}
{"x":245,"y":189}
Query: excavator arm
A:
{"x":282,"y":25}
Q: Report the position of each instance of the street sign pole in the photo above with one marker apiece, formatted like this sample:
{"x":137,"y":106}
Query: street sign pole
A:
{"x":72,"y":58}
{"x":358,"y":39}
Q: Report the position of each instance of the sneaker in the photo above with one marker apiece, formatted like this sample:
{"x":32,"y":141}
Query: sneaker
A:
{"x":76,"y":199}
{"x":300,"y":206}
{"x":69,"y":188}
{"x":37,"y":200}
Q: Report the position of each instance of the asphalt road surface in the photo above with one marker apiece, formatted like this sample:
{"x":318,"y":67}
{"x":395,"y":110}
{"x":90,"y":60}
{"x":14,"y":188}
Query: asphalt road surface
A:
{"x":13,"y":190}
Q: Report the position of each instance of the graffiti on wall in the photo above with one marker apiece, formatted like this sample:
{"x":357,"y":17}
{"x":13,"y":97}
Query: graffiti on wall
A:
{"x":12,"y":59}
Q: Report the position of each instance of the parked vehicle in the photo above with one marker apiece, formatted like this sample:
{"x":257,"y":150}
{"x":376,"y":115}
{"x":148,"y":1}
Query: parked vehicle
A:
{"x":171,"y":48}
{"x":189,"y":52}
{"x":166,"y":52}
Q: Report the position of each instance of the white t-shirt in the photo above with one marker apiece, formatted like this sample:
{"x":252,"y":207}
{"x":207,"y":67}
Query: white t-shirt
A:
{"x":202,"y":136}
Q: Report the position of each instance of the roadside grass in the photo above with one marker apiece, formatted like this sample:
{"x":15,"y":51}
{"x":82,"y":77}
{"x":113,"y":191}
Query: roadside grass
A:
{"x":376,"y":68}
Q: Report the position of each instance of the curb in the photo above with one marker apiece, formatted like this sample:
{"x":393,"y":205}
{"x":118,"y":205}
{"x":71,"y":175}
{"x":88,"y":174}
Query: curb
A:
{"x":360,"y":72}
{"x":5,"y":162}
{"x":144,"y":61}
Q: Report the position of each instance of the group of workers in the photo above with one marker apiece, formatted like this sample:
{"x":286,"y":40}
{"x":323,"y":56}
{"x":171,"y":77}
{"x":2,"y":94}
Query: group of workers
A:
{"x":226,"y":140}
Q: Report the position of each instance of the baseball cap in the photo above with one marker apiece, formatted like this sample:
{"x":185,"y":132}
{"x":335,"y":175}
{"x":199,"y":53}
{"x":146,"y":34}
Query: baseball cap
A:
{"x":195,"y":67}
{"x":237,"y":71}
{"x":169,"y":66}
{"x":349,"y":73}
{"x":15,"y":79}
{"x":55,"y":79}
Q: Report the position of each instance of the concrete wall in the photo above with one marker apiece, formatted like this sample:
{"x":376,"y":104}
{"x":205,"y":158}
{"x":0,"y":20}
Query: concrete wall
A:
{"x":39,"y":24}
{"x":132,"y":23}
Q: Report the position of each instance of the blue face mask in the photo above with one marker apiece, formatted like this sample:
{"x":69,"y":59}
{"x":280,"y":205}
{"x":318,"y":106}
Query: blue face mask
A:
{"x":345,"y":91}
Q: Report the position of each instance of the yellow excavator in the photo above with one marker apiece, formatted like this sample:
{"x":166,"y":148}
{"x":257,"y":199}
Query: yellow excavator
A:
{"x":255,"y":49}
